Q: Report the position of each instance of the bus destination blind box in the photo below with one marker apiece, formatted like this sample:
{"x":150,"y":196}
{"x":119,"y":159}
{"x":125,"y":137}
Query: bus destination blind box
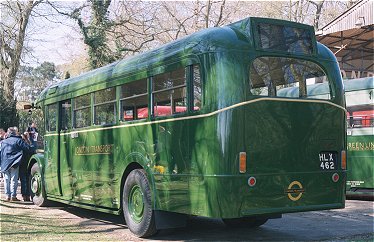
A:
{"x":283,"y":38}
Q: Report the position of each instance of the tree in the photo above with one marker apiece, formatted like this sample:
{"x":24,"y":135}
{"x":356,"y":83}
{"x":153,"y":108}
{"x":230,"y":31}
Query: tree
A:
{"x":316,"y":13}
{"x":94,"y":31}
{"x":111,"y":33}
{"x":179,"y":19}
{"x":31,"y":81}
{"x":13,"y":29}
{"x":8,"y":112}
{"x":114,"y":29}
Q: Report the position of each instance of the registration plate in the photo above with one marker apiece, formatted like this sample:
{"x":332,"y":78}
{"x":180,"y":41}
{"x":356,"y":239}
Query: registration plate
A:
{"x":328,"y":160}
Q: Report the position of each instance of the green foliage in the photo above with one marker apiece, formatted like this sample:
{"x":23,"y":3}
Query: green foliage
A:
{"x":31,"y":81}
{"x":46,"y":71}
{"x":8,"y":113}
{"x":95,"y":33}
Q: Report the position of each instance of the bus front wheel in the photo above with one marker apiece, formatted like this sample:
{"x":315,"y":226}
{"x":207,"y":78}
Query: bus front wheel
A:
{"x":137,"y":205}
{"x":248,"y":222}
{"x":36,"y":187}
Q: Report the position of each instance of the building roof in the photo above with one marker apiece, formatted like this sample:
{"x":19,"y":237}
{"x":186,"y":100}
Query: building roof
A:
{"x":350,"y":35}
{"x":359,"y":15}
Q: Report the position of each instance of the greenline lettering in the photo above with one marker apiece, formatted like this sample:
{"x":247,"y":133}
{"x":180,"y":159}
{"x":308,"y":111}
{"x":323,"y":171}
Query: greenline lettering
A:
{"x":358,"y":146}
{"x":94,"y":149}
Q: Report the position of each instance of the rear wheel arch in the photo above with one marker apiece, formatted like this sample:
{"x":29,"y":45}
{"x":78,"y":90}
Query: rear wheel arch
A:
{"x":138,"y":161}
{"x":36,"y":158}
{"x":130,"y":167}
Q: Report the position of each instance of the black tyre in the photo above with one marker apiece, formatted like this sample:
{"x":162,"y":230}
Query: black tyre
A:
{"x":36,"y":187}
{"x":137,"y":204}
{"x":247,"y":222}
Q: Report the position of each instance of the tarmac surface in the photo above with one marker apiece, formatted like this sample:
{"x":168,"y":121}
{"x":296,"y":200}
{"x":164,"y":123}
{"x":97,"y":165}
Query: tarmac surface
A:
{"x":353,"y":223}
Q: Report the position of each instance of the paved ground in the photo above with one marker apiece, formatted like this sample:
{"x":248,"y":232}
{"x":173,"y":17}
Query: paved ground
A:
{"x":24,"y":221}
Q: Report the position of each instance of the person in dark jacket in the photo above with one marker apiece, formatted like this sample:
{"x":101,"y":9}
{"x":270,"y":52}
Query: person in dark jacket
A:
{"x":12,"y":149}
{"x":23,"y":174}
{"x":2,"y":137}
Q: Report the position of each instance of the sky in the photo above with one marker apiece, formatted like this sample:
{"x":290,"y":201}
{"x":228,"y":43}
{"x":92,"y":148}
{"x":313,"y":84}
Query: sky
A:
{"x":57,"y":39}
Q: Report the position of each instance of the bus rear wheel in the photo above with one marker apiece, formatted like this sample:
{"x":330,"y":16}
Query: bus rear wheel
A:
{"x":248,"y":222}
{"x":137,"y":205}
{"x":36,"y":187}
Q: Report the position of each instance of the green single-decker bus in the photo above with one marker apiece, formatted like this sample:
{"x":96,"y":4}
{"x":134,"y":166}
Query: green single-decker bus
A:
{"x":200,"y":126}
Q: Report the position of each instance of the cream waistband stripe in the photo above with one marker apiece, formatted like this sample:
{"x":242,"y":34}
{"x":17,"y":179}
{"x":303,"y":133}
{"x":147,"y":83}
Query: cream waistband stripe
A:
{"x":203,"y":115}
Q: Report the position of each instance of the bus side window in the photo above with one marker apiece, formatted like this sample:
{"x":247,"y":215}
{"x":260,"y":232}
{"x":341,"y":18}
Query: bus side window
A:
{"x":357,"y":121}
{"x":52,"y":117}
{"x":105,"y":106}
{"x":170,"y":93}
{"x":66,"y":115}
{"x":134,"y":100}
{"x":82,"y":111}
{"x":197,"y":90}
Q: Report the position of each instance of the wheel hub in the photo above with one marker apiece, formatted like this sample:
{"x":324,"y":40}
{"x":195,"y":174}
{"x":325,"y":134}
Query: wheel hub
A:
{"x":136,"y":203}
{"x":35,"y":184}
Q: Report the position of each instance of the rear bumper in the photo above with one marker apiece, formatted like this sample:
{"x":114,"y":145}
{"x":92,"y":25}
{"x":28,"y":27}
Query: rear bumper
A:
{"x":293,"y":209}
{"x":278,"y":194}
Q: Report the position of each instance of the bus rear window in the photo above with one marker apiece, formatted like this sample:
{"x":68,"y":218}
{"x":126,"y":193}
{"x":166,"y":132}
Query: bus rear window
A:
{"x":288,"y":77}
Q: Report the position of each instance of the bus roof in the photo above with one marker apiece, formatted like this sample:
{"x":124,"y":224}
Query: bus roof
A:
{"x":233,"y":37}
{"x":359,"y":84}
{"x":323,"y":89}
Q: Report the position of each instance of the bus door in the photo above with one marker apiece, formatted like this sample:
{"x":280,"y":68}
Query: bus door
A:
{"x":65,"y":153}
{"x":51,"y":151}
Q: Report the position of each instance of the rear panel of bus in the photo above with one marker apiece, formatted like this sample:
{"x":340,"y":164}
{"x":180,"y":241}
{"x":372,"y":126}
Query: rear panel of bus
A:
{"x":267,"y":149}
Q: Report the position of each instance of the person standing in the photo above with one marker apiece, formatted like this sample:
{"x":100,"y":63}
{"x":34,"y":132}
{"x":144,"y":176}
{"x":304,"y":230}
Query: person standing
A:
{"x":33,"y":133}
{"x":23,"y":174}
{"x":12,"y":149}
{"x":2,"y":137}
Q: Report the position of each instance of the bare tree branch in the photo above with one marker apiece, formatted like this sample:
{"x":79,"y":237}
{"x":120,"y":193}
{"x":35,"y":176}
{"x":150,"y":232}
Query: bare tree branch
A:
{"x":12,"y":41}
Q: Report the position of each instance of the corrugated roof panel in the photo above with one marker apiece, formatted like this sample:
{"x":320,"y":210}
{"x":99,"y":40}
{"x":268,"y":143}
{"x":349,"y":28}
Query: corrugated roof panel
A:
{"x":362,"y":11}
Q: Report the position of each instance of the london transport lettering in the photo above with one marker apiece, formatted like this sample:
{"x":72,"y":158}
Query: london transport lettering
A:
{"x":94,"y":150}
{"x":357,"y":146}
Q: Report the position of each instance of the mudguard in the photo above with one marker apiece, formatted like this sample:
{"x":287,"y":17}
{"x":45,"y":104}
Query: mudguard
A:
{"x":37,"y":158}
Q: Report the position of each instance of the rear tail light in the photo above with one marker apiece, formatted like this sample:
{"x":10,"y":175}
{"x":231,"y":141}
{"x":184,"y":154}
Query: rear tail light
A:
{"x":251,"y":181}
{"x":335,"y":177}
{"x":242,"y":162}
{"x":344,"y":160}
